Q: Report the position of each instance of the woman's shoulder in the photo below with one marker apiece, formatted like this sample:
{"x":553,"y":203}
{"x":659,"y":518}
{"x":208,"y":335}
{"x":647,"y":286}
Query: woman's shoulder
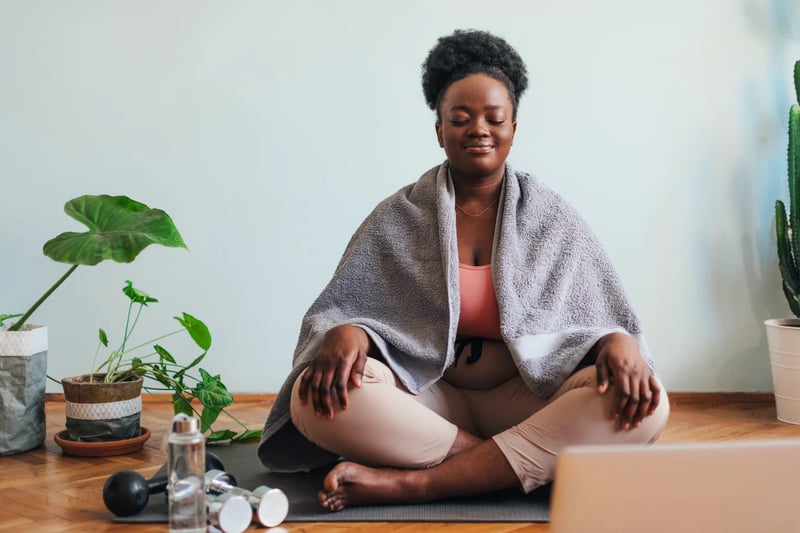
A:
{"x":408,"y":207}
{"x":535,"y":193}
{"x":418,"y":192}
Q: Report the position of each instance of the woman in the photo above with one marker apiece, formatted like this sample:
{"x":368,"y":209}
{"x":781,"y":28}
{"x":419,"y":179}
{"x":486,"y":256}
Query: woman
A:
{"x":474,"y":326}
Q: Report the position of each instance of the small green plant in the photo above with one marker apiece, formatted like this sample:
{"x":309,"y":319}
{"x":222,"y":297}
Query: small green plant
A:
{"x":788,"y":228}
{"x":152,"y":361}
{"x":118,"y":229}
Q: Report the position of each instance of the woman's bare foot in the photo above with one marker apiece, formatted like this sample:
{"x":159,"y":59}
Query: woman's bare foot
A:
{"x":350,"y":484}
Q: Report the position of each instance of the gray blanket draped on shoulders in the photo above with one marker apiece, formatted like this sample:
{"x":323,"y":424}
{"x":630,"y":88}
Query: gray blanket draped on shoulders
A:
{"x":398,"y":279}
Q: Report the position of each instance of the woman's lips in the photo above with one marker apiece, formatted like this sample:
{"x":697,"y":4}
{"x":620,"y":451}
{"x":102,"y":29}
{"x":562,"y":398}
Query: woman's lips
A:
{"x":479,"y":148}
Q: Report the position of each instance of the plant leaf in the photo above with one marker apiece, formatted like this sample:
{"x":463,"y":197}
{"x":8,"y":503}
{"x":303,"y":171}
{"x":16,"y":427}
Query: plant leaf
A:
{"x":119,"y":229}
{"x":163,"y":354}
{"x":101,"y":334}
{"x":6,"y":317}
{"x":179,"y":374}
{"x":181,"y":404}
{"x":197,"y":330}
{"x":208,"y":416}
{"x":250,"y":434}
{"x":217,"y":436}
{"x":137,"y":296}
{"x":211,"y":392}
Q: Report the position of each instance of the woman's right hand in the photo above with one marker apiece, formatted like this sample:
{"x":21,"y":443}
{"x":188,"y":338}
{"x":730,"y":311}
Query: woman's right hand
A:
{"x":339,"y":361}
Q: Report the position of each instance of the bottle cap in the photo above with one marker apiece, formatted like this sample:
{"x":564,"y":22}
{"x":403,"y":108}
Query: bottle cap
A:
{"x":183,"y":423}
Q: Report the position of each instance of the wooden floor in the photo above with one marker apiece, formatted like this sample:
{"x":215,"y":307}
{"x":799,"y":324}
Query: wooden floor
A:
{"x":44,"y":490}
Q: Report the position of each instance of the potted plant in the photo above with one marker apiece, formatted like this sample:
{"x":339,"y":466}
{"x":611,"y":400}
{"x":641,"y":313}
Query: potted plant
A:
{"x":783,"y":335}
{"x":105,"y":405}
{"x":119,"y":228}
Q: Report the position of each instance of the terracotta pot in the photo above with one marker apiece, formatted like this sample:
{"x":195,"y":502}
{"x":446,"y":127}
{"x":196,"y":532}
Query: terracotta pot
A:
{"x":98,"y":411}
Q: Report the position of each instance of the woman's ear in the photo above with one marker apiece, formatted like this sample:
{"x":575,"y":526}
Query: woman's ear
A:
{"x":439,"y":134}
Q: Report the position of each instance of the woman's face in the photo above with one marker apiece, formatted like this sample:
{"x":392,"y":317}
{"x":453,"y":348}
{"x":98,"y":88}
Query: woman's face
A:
{"x":476,"y":129}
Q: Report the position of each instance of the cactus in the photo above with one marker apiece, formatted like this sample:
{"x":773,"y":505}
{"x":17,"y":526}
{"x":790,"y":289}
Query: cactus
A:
{"x":788,"y":229}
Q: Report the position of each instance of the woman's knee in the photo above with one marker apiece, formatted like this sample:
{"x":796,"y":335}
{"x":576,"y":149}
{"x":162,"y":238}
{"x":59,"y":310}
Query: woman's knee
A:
{"x":657,"y":421}
{"x":303,"y":414}
{"x":383,"y":426}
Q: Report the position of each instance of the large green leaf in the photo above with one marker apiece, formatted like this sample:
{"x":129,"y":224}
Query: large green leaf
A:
{"x":197,"y":330}
{"x":119,"y":228}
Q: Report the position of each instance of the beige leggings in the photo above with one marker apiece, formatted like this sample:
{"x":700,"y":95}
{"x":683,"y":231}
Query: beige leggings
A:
{"x":385,"y":425}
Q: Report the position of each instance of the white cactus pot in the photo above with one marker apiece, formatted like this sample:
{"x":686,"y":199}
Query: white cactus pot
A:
{"x":783,"y":339}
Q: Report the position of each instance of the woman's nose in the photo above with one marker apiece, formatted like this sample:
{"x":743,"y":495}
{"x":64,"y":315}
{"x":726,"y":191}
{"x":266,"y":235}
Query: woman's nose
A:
{"x":478,"y":128}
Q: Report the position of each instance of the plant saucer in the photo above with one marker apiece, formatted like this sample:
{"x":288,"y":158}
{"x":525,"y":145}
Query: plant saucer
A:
{"x":101,"y":449}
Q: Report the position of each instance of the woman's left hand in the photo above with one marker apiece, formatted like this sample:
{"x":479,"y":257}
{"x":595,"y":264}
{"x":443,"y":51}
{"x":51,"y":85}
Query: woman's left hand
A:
{"x":637,"y":389}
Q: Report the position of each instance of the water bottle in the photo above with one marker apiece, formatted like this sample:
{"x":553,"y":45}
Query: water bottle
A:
{"x":186,"y":471}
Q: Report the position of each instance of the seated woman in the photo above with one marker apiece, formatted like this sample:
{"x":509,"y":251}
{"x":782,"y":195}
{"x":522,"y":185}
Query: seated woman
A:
{"x":474,"y":326}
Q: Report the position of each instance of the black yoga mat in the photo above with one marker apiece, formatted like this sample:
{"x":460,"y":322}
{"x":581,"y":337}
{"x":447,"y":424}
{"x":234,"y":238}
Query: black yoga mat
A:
{"x":301,"y":489}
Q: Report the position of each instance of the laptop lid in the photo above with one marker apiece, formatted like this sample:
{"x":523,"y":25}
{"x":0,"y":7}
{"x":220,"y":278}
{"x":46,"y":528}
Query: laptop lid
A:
{"x":744,"y":486}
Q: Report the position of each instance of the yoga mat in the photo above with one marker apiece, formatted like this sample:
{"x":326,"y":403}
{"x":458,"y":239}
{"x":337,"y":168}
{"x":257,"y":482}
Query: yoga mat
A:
{"x":241,"y":461}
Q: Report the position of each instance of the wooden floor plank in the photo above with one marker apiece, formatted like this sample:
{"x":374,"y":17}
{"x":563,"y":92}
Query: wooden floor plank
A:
{"x":45,"y":490}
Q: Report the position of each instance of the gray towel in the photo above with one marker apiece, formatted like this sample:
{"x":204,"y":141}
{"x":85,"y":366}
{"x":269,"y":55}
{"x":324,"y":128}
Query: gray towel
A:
{"x":398,"y":279}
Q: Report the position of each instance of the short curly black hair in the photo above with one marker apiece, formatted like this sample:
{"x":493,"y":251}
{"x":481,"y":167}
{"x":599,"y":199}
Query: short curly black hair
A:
{"x":468,"y":52}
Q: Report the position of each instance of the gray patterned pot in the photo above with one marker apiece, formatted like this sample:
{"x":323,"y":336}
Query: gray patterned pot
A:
{"x":23,"y":372}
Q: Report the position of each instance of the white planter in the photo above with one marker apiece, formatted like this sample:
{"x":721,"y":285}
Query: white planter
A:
{"x":783,"y":339}
{"x":23,"y":373}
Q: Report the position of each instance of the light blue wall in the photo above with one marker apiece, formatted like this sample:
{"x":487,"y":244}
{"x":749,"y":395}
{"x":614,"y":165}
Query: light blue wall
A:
{"x":269,"y":129}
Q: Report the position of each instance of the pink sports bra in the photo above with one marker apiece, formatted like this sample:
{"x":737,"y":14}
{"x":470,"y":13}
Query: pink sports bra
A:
{"x":480,"y":316}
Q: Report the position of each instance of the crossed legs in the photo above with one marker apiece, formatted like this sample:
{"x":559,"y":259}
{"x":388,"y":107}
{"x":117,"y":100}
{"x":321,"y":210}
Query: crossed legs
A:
{"x":435,"y":445}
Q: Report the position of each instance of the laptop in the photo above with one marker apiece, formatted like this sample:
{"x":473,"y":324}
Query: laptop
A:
{"x":731,"y":487}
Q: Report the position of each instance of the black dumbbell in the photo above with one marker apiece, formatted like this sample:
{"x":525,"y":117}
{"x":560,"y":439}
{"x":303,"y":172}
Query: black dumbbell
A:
{"x":126,"y":492}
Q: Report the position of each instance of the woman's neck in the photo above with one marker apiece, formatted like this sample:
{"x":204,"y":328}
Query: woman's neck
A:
{"x":476,"y":190}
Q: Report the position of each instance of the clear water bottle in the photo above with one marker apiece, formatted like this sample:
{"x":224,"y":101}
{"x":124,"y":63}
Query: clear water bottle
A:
{"x":186,"y":470}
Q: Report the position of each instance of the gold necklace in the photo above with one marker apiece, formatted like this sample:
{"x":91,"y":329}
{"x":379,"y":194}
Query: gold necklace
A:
{"x":478,"y":214}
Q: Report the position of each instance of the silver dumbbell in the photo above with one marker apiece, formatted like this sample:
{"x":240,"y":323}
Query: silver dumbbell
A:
{"x":230,"y":513}
{"x":269,"y":505}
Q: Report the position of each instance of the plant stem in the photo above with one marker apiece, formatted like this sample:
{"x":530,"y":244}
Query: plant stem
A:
{"x":126,"y":333}
{"x":17,"y":325}
{"x":234,"y":418}
{"x":151,"y":341}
